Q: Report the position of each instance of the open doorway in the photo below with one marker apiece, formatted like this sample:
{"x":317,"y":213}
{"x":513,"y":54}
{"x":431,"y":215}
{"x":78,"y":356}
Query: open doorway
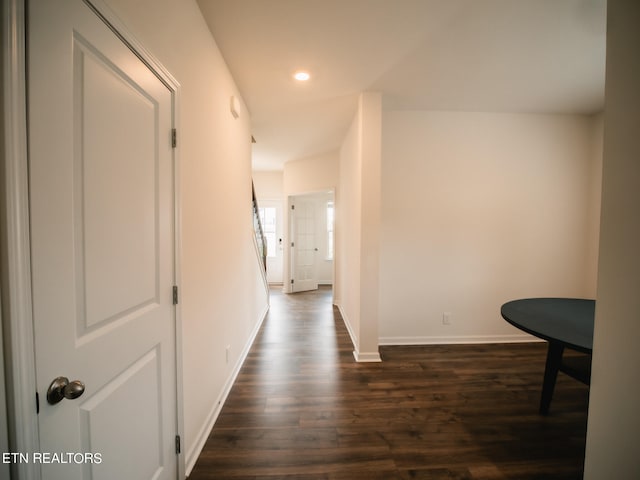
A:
{"x":312,"y":244}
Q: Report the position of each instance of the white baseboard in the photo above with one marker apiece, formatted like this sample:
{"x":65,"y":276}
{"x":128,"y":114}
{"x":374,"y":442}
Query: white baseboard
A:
{"x":363,"y":357}
{"x":347,"y":324}
{"x":205,"y":431}
{"x":459,"y":339}
{"x":357,"y":354}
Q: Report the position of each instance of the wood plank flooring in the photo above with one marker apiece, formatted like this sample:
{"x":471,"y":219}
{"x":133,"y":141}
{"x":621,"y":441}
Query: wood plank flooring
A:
{"x":302,"y":408}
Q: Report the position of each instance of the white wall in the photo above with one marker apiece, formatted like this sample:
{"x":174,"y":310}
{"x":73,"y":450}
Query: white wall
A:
{"x":348,"y":199}
{"x":222,"y":295}
{"x":312,"y":174}
{"x":614,"y":422}
{"x":479,"y":209}
{"x":358,"y":227}
{"x":595,"y":197}
{"x":370,"y":107}
{"x":268,"y":185}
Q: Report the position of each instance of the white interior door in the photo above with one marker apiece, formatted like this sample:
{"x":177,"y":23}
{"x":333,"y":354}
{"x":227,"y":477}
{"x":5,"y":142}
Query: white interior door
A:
{"x":304,"y":249}
{"x":101,"y":198}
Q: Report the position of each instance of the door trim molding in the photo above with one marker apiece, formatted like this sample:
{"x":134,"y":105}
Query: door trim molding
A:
{"x":16,"y":290}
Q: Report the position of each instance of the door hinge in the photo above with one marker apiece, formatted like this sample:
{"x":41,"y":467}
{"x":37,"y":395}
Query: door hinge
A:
{"x":174,"y":138}
{"x":293,"y":207}
{"x":175,"y":294}
{"x":293,"y":244}
{"x":292,"y":281}
{"x":177,"y":444}
{"x":37,"y":403}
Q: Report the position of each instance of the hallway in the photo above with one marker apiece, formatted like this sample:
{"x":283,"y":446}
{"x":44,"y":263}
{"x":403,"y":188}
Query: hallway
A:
{"x":302,"y":408}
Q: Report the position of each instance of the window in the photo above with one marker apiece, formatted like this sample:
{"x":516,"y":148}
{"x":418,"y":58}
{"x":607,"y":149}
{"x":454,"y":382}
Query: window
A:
{"x":330,"y":221}
{"x":268,"y":220}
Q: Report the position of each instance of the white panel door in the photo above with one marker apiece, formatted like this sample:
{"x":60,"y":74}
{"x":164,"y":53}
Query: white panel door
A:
{"x":304,"y":249}
{"x":102,"y":213}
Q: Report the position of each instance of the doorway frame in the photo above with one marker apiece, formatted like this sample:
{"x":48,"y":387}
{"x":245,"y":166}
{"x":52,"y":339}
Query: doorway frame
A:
{"x":15,"y":255}
{"x":288,"y":266}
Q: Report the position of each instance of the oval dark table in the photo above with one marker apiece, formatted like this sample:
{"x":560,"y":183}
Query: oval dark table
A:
{"x":564,"y":323}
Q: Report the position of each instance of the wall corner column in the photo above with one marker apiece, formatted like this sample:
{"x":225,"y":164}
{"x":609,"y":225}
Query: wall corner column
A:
{"x":370,"y":134}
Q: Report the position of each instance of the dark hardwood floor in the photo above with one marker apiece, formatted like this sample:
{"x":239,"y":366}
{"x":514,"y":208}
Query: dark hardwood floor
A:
{"x":302,"y":408}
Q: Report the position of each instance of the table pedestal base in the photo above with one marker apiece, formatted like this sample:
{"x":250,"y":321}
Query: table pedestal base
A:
{"x":554,"y":360}
{"x":579,"y":370}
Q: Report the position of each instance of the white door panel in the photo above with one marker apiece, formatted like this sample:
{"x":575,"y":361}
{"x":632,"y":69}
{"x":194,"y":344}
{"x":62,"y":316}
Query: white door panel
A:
{"x":304,"y":249}
{"x":139,"y":381}
{"x":102,"y":230}
{"x":118,"y":233}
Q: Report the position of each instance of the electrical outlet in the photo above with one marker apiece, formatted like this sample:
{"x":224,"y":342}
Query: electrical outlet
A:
{"x":446,"y":318}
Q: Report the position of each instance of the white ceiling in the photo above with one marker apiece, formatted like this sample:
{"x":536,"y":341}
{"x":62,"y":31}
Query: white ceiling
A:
{"x":472,"y":55}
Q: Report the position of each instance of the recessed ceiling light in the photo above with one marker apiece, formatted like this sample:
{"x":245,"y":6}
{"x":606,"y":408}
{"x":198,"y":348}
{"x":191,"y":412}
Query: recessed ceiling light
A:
{"x":302,"y":76}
